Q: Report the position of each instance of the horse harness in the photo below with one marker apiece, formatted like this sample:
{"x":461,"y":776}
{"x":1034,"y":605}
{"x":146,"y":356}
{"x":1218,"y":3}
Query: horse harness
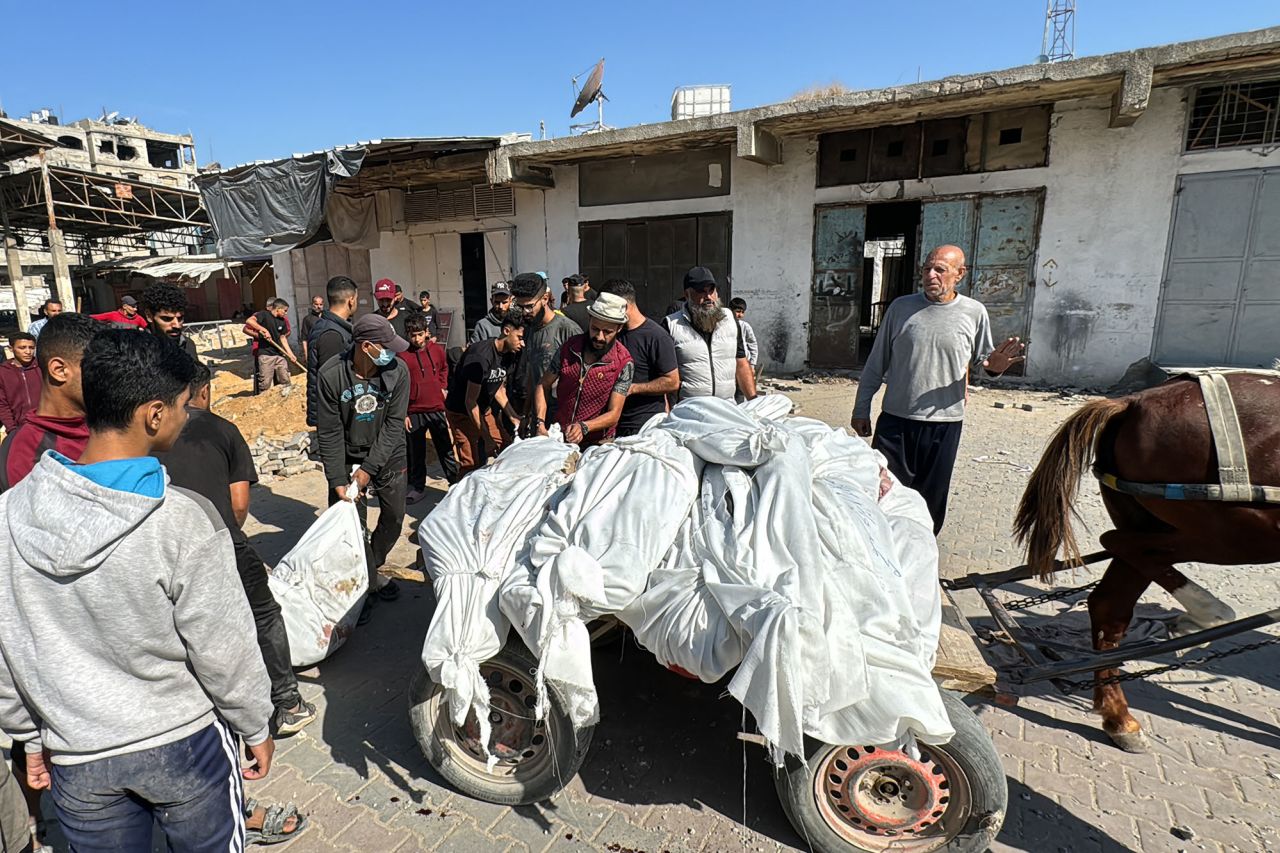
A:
{"x":1233,"y":467}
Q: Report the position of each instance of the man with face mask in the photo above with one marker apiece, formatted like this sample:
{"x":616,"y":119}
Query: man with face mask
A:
{"x":362,"y":398}
{"x":594,"y":373}
{"x":709,"y":344}
{"x":544,"y":333}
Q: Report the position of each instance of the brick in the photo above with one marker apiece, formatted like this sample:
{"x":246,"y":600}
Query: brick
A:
{"x":343,"y":780}
{"x":1225,"y":808}
{"x":370,"y":835}
{"x":330,"y":816}
{"x":429,"y":825}
{"x":466,"y":838}
{"x":530,"y":825}
{"x":1179,"y":773}
{"x":308,"y":759}
{"x":624,"y":834}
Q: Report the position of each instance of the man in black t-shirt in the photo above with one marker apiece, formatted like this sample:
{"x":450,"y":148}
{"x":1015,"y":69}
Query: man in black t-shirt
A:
{"x":657,"y":372}
{"x":578,"y":295}
{"x":270,"y":330}
{"x":309,"y":323}
{"x":212,"y":459}
{"x":474,"y":388}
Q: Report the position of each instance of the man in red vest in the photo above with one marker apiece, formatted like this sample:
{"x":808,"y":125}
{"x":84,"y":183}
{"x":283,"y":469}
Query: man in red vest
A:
{"x":594,"y":372}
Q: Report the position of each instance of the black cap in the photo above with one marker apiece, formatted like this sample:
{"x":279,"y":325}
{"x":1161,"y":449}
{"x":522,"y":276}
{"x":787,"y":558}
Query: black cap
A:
{"x":699,"y":278}
{"x":375,"y":329}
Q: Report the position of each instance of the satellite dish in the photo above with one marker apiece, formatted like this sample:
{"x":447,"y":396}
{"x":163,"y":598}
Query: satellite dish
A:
{"x":589,"y":92}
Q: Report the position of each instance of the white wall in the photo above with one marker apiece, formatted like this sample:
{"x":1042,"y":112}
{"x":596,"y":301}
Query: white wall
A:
{"x":427,"y":256}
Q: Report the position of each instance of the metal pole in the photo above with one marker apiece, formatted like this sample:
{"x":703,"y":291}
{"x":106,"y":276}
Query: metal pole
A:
{"x":14,"y":264}
{"x":57,"y":246}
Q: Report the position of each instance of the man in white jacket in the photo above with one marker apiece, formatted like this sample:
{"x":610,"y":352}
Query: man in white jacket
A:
{"x":130,"y":667}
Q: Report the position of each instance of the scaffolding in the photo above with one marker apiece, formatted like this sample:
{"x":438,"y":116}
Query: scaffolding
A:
{"x":1059,"y":42}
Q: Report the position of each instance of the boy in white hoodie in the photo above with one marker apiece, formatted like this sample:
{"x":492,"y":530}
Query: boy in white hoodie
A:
{"x":130,"y":669}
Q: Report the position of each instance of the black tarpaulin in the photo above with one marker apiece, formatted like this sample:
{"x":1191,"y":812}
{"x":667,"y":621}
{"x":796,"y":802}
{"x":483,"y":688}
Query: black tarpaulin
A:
{"x":272,"y":207}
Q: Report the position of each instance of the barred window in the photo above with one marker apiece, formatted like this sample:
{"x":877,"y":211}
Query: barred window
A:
{"x":1235,"y":115}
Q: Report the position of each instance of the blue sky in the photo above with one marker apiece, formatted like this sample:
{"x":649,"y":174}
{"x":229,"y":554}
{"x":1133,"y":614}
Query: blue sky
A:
{"x":266,"y":79}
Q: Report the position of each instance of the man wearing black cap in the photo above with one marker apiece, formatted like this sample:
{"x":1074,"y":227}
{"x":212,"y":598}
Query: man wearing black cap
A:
{"x":125,"y":317}
{"x":578,"y":296}
{"x":362,"y":397}
{"x":490,"y":325}
{"x":709,"y":344}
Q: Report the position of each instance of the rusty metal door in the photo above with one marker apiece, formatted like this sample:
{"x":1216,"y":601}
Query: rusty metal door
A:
{"x":1220,"y":300}
{"x":999,"y":234}
{"x":838,"y":236}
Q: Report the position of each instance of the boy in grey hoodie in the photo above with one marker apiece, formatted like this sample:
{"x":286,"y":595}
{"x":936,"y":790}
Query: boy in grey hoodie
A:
{"x":130,"y":665}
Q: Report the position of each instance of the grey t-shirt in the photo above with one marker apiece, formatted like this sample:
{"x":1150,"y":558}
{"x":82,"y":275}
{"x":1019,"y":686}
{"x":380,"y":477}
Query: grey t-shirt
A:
{"x":923,"y":353}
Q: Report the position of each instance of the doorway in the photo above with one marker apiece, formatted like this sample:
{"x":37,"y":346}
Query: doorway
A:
{"x":475,"y":286}
{"x":863,"y":260}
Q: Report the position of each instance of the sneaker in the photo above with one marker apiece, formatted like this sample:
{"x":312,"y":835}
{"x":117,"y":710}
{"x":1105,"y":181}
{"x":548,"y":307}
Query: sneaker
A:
{"x":389,"y":591}
{"x":290,"y":722}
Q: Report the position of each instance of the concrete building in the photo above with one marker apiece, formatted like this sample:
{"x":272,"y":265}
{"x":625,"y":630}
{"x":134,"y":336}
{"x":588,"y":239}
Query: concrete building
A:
{"x":1113,"y":209}
{"x":111,"y":145}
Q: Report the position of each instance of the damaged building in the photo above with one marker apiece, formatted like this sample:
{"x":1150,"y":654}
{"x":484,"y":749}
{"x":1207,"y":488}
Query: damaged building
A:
{"x":1113,"y":209}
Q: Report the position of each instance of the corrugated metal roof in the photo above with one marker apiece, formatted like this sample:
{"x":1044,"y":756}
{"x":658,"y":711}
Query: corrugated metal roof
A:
{"x":376,"y":147}
{"x":195,"y":267}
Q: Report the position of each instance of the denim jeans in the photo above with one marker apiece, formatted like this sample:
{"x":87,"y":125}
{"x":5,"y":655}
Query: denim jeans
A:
{"x":191,"y":787}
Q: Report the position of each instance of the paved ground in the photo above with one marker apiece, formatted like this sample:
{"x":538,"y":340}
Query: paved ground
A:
{"x":666,"y":773}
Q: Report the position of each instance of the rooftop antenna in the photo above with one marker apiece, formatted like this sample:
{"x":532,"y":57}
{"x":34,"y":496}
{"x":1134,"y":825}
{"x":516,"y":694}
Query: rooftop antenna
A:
{"x":1059,"y":42}
{"x":589,"y":92}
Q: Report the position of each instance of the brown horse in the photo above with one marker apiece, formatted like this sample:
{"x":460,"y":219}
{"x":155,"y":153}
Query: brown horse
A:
{"x":1161,"y":435}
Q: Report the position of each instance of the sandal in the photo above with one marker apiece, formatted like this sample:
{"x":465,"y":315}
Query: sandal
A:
{"x":389,"y":591}
{"x":272,"y":830}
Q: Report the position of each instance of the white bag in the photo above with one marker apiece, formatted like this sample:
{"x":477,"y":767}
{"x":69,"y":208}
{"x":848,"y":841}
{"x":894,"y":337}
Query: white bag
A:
{"x":321,"y":583}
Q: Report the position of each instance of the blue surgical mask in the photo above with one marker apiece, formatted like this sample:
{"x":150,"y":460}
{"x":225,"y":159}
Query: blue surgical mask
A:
{"x":383,"y":358}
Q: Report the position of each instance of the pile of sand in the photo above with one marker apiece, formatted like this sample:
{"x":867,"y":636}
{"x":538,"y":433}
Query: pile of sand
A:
{"x":281,"y":411}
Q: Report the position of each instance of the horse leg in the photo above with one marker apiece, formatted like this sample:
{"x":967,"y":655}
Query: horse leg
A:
{"x":1110,"y":610}
{"x":1153,"y":553}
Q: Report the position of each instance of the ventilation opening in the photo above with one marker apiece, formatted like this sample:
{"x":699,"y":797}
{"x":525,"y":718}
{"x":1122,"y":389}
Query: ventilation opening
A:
{"x":940,"y":148}
{"x":848,"y":155}
{"x":894,"y":148}
{"x":1010,"y":135}
{"x":1235,"y":115}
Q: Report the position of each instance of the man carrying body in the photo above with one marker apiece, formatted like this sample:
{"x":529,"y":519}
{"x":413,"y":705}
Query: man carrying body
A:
{"x":476,"y":388}
{"x":58,"y":421}
{"x":709,"y":344}
{"x":164,"y":304}
{"x":126,"y":316}
{"x":362,"y":398}
{"x":308,"y":323}
{"x":594,"y":374}
{"x":927,"y":344}
{"x":545,"y":332}
{"x":428,"y":383}
{"x":129,"y":658}
{"x":657,"y":371}
{"x":212,"y":459}
{"x":490,"y":325}
{"x":272,"y":352}
{"x":20,"y":381}
{"x":576,"y":290}
{"x":331,"y":335}
{"x":50,"y":308}
{"x":385,"y":294}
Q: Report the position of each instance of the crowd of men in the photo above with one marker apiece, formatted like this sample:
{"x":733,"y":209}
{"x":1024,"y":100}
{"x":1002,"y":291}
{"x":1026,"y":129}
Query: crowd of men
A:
{"x":124,"y":498}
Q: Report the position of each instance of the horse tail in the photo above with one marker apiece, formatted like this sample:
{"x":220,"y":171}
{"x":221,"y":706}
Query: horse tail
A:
{"x":1043,"y":520}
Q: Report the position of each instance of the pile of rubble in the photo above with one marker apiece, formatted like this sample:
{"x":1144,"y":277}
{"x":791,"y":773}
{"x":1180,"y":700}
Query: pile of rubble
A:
{"x":284,"y":456}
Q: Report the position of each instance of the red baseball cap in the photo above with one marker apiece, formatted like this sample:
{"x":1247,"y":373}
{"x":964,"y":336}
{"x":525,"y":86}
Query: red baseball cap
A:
{"x":384,"y":289}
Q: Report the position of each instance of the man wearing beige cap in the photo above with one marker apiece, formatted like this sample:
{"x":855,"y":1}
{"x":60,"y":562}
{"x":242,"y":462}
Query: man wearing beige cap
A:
{"x":362,"y":397}
{"x":594,"y":372}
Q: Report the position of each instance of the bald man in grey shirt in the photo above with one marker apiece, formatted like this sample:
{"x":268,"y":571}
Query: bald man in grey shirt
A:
{"x":926,"y":347}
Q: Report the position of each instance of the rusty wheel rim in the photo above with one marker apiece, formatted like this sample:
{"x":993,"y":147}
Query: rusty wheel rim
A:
{"x":879,"y":799}
{"x":520,"y":743}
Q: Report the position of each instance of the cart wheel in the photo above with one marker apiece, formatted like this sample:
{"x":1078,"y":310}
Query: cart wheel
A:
{"x":536,"y":758}
{"x":860,"y":798}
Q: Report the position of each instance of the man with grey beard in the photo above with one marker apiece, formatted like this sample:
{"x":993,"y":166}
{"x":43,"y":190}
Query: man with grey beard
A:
{"x":709,"y":345}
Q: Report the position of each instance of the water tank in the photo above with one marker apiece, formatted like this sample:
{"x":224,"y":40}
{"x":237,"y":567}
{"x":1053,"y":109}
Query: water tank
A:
{"x":695,"y":101}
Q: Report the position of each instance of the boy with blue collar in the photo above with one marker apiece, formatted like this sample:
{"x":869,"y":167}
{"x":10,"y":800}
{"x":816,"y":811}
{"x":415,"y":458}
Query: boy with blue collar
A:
{"x":130,"y":665}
